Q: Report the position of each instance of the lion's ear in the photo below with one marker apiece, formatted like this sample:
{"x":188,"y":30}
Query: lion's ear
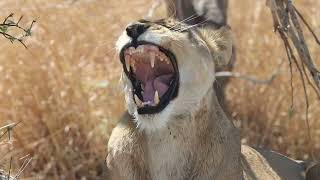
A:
{"x":220,"y":44}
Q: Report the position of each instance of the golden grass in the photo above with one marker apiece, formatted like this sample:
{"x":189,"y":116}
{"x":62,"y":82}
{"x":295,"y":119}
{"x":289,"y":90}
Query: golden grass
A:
{"x":64,"y":88}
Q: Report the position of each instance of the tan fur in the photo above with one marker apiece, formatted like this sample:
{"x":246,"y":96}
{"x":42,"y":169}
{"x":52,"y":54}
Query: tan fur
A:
{"x":219,"y":44}
{"x":200,"y":143}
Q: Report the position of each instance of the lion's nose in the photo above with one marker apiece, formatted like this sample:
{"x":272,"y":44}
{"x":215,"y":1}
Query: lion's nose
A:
{"x":135,"y":30}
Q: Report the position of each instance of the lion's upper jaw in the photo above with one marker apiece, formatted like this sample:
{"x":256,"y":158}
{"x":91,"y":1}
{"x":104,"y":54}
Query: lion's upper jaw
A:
{"x":196,"y":70}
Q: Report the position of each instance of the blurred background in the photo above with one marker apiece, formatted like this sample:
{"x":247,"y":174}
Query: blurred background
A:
{"x":64,"y":89}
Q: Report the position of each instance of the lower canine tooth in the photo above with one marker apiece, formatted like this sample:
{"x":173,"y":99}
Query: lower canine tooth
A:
{"x":156,"y":98}
{"x":138,"y":101}
{"x":167,"y":61}
{"x":152,"y":59}
{"x":127,"y":63}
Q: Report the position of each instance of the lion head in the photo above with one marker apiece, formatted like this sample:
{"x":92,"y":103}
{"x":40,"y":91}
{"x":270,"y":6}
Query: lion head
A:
{"x":168,"y":68}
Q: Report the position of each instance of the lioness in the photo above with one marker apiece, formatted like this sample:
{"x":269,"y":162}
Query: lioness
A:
{"x":175,"y":127}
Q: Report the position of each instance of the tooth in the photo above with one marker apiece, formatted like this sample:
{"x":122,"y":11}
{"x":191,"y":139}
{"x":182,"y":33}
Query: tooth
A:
{"x":127,"y":62}
{"x":138,"y":49}
{"x":141,"y":49}
{"x":167,"y":61}
{"x":156,"y":99}
{"x":146,"y":103}
{"x":138,"y":101}
{"x":152,"y":59}
{"x":155,"y":48}
{"x":131,"y":50}
{"x":134,"y":68}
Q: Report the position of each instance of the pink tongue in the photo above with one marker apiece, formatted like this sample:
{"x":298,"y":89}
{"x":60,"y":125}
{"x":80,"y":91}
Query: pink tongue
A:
{"x":160,"y":84}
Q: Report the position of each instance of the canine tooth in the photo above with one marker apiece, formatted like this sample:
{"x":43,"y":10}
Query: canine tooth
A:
{"x":127,"y":63}
{"x":138,"y":101}
{"x":152,"y":59}
{"x":132,"y":64}
{"x":167,"y":61}
{"x":156,"y":98}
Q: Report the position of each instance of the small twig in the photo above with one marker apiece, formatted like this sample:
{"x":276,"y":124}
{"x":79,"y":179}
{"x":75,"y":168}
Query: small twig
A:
{"x":245,"y":77}
{"x":308,"y":26}
{"x":8,"y":128}
{"x":9,"y":175}
{"x":291,"y":76}
{"x":252,"y":79}
{"x":302,"y":77}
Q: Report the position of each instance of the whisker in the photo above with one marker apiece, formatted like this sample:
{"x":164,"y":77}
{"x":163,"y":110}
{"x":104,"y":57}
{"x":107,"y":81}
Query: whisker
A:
{"x":192,"y":26}
{"x":185,"y":20}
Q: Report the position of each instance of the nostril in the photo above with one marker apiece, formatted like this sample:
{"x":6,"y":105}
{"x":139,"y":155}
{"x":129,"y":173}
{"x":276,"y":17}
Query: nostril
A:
{"x":130,"y":31}
{"x":135,"y":30}
{"x":141,"y":29}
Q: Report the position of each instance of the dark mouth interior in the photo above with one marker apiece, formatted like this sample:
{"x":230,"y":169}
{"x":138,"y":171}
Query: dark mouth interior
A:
{"x":154,"y":75}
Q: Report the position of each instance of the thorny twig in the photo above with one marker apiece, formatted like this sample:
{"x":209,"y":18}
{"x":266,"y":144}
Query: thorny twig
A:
{"x":286,"y":23}
{"x":9,"y":24}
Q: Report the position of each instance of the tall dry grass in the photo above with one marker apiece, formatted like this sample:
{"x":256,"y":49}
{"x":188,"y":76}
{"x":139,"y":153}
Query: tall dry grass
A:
{"x":64,"y":88}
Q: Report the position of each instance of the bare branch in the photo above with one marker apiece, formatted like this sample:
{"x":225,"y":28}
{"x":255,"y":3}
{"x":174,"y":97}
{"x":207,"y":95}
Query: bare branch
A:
{"x":252,"y":79}
{"x":286,"y":23}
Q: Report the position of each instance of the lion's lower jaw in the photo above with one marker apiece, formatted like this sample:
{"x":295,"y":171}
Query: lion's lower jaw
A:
{"x":150,"y":123}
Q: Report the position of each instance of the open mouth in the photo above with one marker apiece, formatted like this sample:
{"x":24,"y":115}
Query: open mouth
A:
{"x":154,"y":75}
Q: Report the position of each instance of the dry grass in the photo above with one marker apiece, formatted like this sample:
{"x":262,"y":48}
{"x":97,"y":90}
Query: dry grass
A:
{"x":64,"y":88}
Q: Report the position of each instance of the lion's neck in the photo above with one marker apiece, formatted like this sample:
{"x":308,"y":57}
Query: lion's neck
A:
{"x":204,"y":138}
